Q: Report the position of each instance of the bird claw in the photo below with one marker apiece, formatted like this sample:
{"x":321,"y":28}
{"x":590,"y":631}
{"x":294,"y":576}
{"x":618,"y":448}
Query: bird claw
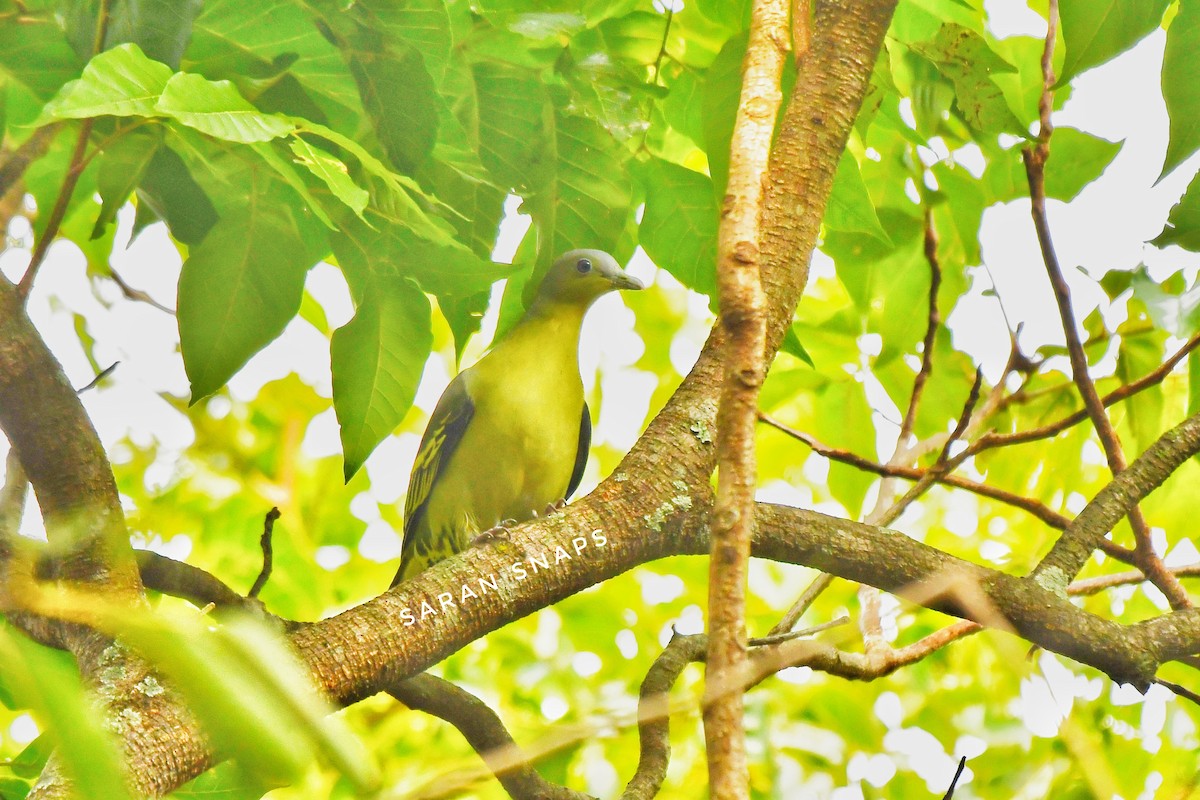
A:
{"x":495,"y":532}
{"x":555,"y":507}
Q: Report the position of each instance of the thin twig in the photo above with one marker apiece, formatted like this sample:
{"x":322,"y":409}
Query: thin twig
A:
{"x":931,"y":329}
{"x":42,"y":246}
{"x":264,"y":541}
{"x":33,"y":148}
{"x":806,"y":599}
{"x":1186,"y":694}
{"x":137,"y":295}
{"x":662,"y":47}
{"x":776,"y":638}
{"x":962,"y":765}
{"x":1098,"y":584}
{"x":1035,"y":162}
{"x":991,"y":441}
{"x":104,"y":373}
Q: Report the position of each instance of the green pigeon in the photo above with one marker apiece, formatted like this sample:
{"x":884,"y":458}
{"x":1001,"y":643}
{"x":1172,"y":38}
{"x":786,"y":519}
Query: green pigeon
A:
{"x":510,"y":435}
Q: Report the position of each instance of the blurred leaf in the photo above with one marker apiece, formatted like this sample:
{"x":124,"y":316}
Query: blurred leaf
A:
{"x":967,"y":59}
{"x":378,"y":359}
{"x":34,"y":50}
{"x":1183,"y":223}
{"x":1180,"y":88}
{"x":1096,"y":30}
{"x":1178,"y":313}
{"x":850,"y":208}
{"x":13,"y":789}
{"x":50,"y":686}
{"x":32,"y":760}
{"x":332,"y":172}
{"x":225,"y":781}
{"x":679,"y":225}
{"x":121,"y":168}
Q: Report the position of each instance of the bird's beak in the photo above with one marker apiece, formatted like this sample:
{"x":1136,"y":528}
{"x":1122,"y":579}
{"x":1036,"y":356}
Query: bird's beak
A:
{"x":623,"y":280}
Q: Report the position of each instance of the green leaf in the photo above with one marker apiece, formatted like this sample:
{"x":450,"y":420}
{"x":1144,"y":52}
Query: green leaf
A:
{"x":14,"y":789}
{"x":377,"y":359}
{"x":383,"y":247}
{"x":1181,"y":83}
{"x":464,"y":315}
{"x":401,"y":205}
{"x":217,"y":109}
{"x":235,"y":40}
{"x":1076,"y":159}
{"x":121,"y":168}
{"x":1177,"y":312}
{"x":515,"y":125}
{"x":1096,"y":30}
{"x":239,"y":288}
{"x":161,"y":28}
{"x":50,"y":686}
{"x":121,"y":82}
{"x":679,"y":224}
{"x":722,"y":93}
{"x":1138,"y":354}
{"x":30,"y":762}
{"x":332,"y":172}
{"x":397,"y":90}
{"x":850,"y":208}
{"x":1183,"y":223}
{"x":168,"y":189}
{"x":793,"y":346}
{"x":969,"y":61}
{"x":35,"y":52}
{"x":588,"y":203}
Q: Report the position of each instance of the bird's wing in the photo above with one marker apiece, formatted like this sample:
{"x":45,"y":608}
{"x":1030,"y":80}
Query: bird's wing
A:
{"x":442,"y":436}
{"x":581,"y":455}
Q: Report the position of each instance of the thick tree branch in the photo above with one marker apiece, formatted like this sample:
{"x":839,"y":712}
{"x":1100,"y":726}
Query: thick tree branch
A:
{"x":61,"y":453}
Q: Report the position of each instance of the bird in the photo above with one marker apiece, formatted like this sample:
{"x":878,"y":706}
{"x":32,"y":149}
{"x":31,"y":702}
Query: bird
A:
{"x":509,"y":436}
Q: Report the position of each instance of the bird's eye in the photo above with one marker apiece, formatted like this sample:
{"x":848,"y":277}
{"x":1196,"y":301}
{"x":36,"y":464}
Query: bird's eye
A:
{"x":584,"y":266}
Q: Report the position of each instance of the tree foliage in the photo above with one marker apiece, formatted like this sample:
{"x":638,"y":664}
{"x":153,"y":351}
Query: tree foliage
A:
{"x":242,"y":145}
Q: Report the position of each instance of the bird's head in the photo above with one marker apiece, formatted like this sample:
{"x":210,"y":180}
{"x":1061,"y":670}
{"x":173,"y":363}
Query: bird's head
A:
{"x":581,"y":276}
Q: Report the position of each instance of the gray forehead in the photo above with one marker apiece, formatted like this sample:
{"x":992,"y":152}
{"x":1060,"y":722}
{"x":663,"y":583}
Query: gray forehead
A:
{"x":597,"y":257}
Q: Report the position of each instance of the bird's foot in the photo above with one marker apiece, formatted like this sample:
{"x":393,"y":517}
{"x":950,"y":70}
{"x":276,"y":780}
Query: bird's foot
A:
{"x":555,"y":507}
{"x":493,"y":533}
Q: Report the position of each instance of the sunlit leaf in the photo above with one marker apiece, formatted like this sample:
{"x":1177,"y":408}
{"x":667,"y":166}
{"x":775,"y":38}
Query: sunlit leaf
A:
{"x":378,"y":358}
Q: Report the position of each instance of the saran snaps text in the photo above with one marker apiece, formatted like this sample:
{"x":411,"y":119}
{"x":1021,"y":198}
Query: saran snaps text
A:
{"x":536,"y":563}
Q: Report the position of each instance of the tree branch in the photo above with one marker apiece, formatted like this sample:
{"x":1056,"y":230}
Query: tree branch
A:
{"x":1072,"y":550}
{"x":742,"y":322}
{"x":484,"y":731}
{"x":1035,"y":162}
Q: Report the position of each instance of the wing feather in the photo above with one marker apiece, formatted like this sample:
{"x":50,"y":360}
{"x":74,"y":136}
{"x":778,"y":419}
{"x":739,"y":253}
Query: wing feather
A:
{"x":581,"y":454}
{"x":442,"y":436}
